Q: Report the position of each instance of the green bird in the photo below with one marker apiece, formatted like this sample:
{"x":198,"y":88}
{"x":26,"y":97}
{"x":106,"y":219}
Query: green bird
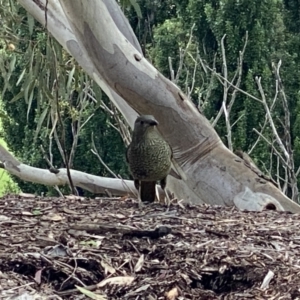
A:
{"x":149,"y":157}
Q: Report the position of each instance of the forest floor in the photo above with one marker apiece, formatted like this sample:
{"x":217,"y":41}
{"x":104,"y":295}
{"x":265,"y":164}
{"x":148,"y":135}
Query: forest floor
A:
{"x":50,"y":247}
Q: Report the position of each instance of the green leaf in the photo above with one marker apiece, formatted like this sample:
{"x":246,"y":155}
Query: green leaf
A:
{"x":30,"y":21}
{"x":3,"y":116}
{"x":30,"y":101}
{"x":36,"y":212}
{"x":37,"y":70}
{"x":136,"y":8}
{"x":17,"y":97}
{"x":97,"y":91}
{"x":27,"y":90}
{"x":89,"y":243}
{"x":21,"y":77}
{"x":6,"y":75}
{"x":40,"y":122}
{"x":58,"y":51}
{"x":26,"y":85}
{"x":47,"y":93}
{"x":12,"y":64}
{"x":90,"y":294}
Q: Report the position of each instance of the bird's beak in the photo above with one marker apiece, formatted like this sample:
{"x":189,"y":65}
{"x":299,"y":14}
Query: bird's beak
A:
{"x":153,"y":123}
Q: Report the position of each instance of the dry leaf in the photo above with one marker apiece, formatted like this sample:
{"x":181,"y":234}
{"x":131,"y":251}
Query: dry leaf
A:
{"x":54,"y":217}
{"x":69,"y":211}
{"x":186,"y":278}
{"x":267,"y":280}
{"x":119,"y":216}
{"x":172,"y":294}
{"x":25,"y":195}
{"x":139,"y":264}
{"x":73,"y":197}
{"x":108,"y":269}
{"x":38,"y":276}
{"x":119,"y":280}
{"x":27,"y":213}
{"x":4,"y":218}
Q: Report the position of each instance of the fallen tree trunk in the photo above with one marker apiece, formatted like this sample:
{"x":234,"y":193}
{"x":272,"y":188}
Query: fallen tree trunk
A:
{"x":103,"y":185}
{"x":101,"y":40}
{"x":92,"y":183}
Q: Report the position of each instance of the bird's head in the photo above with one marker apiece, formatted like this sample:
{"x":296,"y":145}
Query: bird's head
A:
{"x":144,"y":123}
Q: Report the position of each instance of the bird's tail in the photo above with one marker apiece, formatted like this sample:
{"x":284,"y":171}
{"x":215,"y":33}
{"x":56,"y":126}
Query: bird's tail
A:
{"x":148,"y":191}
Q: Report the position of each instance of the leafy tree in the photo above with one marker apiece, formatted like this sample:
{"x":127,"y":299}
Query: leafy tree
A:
{"x":273,"y":36}
{"x":45,"y":93}
{"x":270,"y":39}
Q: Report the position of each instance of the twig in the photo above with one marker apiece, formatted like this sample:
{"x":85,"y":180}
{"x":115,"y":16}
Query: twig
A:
{"x":171,"y":69}
{"x":232,"y":85}
{"x":65,"y":154}
{"x":182,"y":54}
{"x":270,"y":120}
{"x":266,"y":117}
{"x":94,"y":151}
{"x":269,"y":143}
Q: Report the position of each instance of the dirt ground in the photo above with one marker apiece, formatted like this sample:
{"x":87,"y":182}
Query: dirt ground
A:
{"x":51,"y":247}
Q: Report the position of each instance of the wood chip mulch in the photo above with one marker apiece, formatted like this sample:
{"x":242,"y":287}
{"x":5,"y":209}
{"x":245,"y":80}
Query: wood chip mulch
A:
{"x":116,"y":249}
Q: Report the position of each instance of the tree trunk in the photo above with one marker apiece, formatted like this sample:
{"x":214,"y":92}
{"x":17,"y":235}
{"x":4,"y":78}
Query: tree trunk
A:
{"x":101,"y":40}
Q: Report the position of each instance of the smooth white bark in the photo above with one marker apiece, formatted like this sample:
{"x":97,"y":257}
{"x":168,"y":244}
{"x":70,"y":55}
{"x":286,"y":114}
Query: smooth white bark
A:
{"x":91,"y":183}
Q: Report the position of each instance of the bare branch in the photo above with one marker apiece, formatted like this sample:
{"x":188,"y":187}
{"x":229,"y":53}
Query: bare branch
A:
{"x":266,"y":117}
{"x":190,"y":91}
{"x":52,"y":167}
{"x":171,"y":69}
{"x":270,"y":120}
{"x":182,"y":54}
{"x":226,"y":107}
{"x":220,"y":77}
{"x":239,"y":72}
{"x":287,"y":135}
{"x":94,"y":151}
{"x":270,"y":143}
{"x":212,"y":79}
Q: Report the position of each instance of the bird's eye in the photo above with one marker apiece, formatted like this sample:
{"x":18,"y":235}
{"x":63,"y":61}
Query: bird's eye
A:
{"x":142,"y":122}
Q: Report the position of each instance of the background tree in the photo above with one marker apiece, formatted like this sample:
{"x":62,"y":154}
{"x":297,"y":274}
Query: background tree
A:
{"x":39,"y":95}
{"x":272,"y":36}
{"x":204,"y":55}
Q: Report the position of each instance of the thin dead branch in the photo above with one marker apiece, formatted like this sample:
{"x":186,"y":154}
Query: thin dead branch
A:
{"x":94,"y":151}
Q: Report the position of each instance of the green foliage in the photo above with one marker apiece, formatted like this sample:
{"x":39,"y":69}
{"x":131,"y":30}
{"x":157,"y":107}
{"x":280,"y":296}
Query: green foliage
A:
{"x":273,"y":35}
{"x":7,"y":185}
{"x":127,"y":4}
{"x":51,"y":103}
{"x":43,"y":88}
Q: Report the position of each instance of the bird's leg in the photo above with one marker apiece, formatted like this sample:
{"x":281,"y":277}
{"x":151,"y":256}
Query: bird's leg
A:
{"x":163,"y":184}
{"x":137,"y":184}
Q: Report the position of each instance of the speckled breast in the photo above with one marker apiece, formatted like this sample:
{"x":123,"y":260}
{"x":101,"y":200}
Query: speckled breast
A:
{"x":150,"y":160}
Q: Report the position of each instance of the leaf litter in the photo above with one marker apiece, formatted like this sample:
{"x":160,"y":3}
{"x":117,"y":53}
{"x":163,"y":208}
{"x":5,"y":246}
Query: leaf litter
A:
{"x":113,"y":248}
